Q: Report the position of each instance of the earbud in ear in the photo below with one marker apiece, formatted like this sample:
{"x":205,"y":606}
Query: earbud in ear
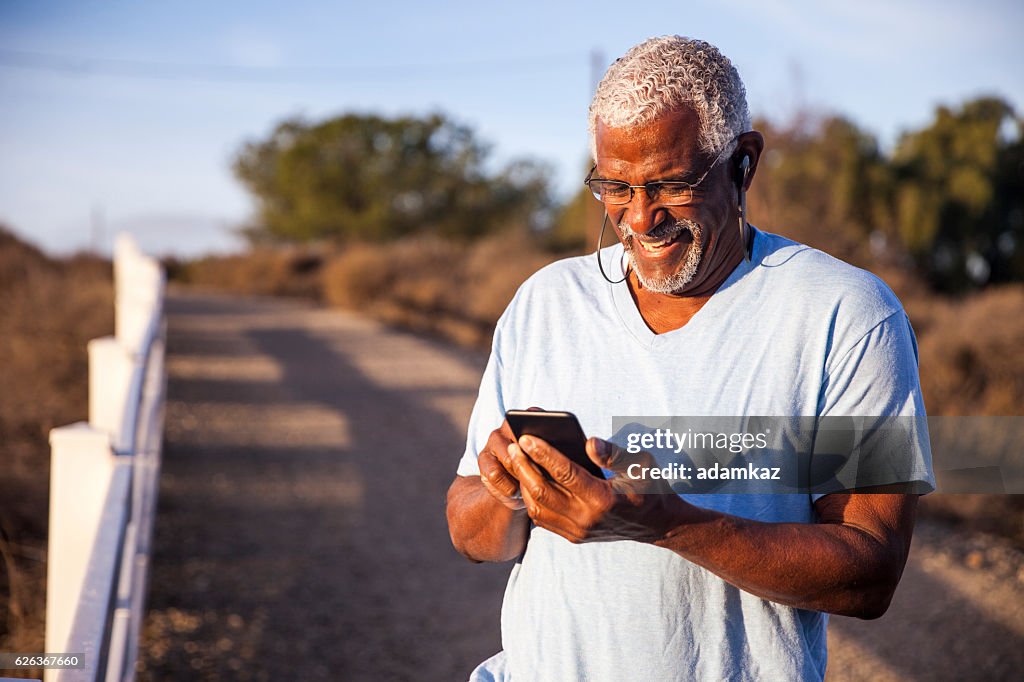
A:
{"x":743,"y":171}
{"x":741,"y":184}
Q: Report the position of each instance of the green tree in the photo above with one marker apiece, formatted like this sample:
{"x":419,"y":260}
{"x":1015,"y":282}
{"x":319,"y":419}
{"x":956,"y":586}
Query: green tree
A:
{"x":370,"y":177}
{"x":822,"y":180}
{"x":959,"y":194}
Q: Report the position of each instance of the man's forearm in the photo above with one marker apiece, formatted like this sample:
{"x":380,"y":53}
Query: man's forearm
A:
{"x":835,"y":567}
{"x":481,"y":528}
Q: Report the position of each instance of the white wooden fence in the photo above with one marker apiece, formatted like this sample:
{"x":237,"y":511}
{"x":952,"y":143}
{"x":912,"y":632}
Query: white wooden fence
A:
{"x":103,"y":485}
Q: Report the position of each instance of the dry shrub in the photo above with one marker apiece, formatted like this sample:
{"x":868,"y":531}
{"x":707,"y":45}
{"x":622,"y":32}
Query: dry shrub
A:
{"x":428,"y":284}
{"x":996,"y":514}
{"x":288,"y":271}
{"x":47,"y":315}
{"x":425,"y":275}
{"x":971,"y":362}
{"x":969,"y":348}
{"x":415,"y":274}
{"x":412,"y":283}
{"x":49,"y":309}
{"x":495,"y":268}
{"x":355,"y":278}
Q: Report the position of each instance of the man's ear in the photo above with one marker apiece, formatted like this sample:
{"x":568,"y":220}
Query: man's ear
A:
{"x":750,"y":145}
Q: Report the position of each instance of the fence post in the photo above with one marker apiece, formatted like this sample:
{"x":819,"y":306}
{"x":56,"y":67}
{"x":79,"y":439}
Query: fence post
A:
{"x":81,"y":465}
{"x":112,"y":369}
{"x":139,"y":285}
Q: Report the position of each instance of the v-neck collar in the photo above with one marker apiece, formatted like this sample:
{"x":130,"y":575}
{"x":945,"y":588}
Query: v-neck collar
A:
{"x":630,"y":315}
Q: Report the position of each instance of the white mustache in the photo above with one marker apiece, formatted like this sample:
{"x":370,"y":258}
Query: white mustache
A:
{"x":668,"y":229}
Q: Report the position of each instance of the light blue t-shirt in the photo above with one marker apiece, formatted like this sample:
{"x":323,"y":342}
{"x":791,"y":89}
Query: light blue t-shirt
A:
{"x":792,"y":332}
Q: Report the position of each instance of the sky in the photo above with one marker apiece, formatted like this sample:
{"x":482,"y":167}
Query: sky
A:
{"x":124,"y":116}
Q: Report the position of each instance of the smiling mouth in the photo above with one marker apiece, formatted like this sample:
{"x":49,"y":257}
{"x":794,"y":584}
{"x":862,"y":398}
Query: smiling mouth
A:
{"x":655,"y":246}
{"x":658,"y":245}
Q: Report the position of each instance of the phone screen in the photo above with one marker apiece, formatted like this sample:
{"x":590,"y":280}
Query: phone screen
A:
{"x":561,"y":430}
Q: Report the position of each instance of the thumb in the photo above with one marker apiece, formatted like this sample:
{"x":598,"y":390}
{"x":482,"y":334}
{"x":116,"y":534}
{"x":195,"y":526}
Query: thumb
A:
{"x":606,"y":454}
{"x":610,"y":456}
{"x":601,"y":452}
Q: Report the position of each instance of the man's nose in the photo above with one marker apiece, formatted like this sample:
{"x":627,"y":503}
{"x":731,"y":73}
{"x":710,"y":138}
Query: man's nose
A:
{"x":640,"y":214}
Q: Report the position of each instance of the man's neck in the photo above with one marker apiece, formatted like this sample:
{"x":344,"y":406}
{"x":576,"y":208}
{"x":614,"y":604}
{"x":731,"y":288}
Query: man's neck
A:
{"x":667,"y":312}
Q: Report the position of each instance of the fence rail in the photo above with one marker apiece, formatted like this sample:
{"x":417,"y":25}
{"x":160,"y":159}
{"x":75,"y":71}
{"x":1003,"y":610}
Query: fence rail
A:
{"x":103,"y":485}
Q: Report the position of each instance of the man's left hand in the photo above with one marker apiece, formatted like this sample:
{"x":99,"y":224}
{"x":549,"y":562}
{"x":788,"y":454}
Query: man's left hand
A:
{"x":583,"y":508}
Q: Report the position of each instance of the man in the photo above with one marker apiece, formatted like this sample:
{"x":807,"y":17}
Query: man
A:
{"x":614,"y":585}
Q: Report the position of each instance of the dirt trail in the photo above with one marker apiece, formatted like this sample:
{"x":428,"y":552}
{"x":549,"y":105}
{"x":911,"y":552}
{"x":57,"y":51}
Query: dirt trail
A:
{"x":301,"y":534}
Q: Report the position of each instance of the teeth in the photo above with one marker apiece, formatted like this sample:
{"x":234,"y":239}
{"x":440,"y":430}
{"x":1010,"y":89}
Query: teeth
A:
{"x":656,"y":245}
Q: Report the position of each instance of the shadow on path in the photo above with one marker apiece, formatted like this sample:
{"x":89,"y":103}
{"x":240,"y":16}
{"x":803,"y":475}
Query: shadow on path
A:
{"x":300,"y":531}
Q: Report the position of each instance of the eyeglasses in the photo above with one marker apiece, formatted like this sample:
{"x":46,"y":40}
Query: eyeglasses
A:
{"x":668,"y":193}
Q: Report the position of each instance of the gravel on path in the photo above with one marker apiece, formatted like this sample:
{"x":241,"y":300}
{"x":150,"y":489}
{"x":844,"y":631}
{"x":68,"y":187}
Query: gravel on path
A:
{"x":300,"y":531}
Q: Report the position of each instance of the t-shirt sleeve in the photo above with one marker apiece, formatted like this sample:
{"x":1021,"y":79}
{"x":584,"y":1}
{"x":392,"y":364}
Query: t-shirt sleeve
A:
{"x":488,"y":411}
{"x":873,"y":388}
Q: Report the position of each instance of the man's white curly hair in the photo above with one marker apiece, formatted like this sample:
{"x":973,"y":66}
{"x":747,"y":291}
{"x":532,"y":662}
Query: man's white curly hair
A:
{"x":662,"y":73}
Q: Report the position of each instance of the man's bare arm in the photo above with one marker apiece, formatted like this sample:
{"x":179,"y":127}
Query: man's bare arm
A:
{"x":481,"y":527}
{"x":486,"y":514}
{"x":848,"y":563}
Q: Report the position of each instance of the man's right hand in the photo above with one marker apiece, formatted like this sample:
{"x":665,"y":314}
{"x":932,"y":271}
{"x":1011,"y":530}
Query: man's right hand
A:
{"x":496,"y":469}
{"x":486,"y":514}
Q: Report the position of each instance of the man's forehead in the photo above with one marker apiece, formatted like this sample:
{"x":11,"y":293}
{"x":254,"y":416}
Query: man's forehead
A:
{"x":670,"y":139}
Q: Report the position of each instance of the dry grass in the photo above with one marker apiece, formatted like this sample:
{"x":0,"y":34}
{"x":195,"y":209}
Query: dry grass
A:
{"x":290,"y":271}
{"x":451,"y":289}
{"x":49,"y":310}
{"x":971,"y":364}
{"x":971,"y":360}
{"x":445,"y":288}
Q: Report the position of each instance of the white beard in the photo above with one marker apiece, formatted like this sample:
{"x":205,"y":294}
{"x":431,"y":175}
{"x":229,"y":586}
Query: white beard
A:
{"x":669,"y":284}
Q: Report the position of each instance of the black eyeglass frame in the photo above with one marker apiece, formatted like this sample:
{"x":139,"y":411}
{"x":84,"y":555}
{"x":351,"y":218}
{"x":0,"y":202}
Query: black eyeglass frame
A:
{"x":656,"y":185}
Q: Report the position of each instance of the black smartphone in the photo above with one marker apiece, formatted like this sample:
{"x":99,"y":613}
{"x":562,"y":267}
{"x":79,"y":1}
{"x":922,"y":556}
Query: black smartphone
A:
{"x":561,"y":430}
